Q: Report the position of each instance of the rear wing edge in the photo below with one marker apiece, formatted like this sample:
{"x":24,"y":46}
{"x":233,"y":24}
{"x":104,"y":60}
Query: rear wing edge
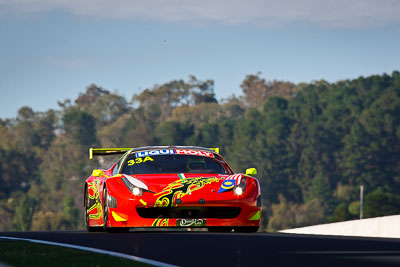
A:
{"x":115,"y":151}
{"x":106,"y":151}
{"x":216,"y":149}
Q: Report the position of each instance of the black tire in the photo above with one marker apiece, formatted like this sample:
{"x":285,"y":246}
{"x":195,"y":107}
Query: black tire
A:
{"x":87,"y":206}
{"x":105,"y":210}
{"x":246,"y":229}
{"x":220,"y":229}
{"x":106,"y":214}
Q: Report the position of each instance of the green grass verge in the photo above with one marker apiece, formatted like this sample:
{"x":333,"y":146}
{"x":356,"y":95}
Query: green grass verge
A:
{"x":21,"y":253}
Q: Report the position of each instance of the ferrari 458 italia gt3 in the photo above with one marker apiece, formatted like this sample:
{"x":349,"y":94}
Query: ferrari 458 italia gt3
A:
{"x":171,"y":186}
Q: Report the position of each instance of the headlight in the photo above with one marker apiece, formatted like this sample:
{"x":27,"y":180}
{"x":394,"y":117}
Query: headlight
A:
{"x":241,"y":187}
{"x":137,"y":191}
{"x":134,"y":185}
{"x":238,"y":191}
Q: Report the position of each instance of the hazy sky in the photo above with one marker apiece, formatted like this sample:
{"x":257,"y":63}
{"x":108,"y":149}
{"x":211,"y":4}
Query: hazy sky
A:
{"x":51,"y":50}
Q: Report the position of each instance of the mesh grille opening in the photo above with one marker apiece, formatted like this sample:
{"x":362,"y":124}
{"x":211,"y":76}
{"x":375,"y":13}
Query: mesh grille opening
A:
{"x":189,"y":212}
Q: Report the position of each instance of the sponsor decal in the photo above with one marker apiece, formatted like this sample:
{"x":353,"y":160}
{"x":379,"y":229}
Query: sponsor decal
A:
{"x":95,"y":207}
{"x":180,"y":188}
{"x":191,"y":222}
{"x":226,"y":185}
{"x":230,"y":182}
{"x":142,"y":154}
{"x":194,"y":152}
{"x":148,"y":153}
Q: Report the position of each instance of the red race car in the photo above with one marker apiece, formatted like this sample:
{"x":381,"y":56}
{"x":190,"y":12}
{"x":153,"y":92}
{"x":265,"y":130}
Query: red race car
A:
{"x":171,"y":186}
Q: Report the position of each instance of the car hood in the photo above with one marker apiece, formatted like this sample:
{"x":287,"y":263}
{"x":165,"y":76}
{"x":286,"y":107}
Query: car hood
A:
{"x":188,"y":186}
{"x":158,"y":182}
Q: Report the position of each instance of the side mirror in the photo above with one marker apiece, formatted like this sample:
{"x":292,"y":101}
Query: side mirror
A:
{"x":97,"y":173}
{"x":251,"y":171}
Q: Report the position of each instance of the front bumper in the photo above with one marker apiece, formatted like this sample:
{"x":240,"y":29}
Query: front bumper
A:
{"x":194,"y":210}
{"x":217,"y":214}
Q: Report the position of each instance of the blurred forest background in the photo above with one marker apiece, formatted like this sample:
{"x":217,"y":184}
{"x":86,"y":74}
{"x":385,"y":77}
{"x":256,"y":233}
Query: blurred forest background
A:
{"x":313,"y":146}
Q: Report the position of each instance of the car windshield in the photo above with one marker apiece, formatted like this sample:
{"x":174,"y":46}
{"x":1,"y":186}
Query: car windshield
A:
{"x":173,"y":164}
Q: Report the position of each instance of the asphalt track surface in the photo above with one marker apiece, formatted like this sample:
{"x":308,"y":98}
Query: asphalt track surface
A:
{"x":234,"y":249}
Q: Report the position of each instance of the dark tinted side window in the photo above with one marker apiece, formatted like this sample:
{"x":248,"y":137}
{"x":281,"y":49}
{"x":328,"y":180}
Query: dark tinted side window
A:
{"x":115,"y":170}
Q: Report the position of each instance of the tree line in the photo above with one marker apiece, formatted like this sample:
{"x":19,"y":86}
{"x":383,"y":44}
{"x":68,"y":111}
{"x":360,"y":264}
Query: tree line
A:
{"x":313,"y":144}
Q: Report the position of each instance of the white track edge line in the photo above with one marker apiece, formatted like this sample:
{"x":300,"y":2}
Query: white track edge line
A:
{"x":95,"y":250}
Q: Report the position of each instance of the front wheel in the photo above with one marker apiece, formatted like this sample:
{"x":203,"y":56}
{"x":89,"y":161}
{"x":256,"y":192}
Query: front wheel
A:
{"x":106,"y":215}
{"x":105,"y":210}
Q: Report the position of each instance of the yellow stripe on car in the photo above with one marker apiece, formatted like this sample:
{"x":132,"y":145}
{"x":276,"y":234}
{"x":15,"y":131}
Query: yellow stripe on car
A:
{"x":119,"y":217}
{"x":255,"y":217}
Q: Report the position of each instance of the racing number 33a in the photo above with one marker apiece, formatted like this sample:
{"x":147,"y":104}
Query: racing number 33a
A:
{"x":139,"y":160}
